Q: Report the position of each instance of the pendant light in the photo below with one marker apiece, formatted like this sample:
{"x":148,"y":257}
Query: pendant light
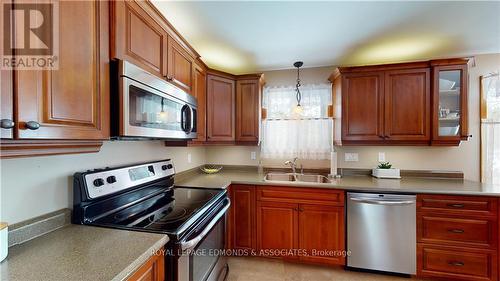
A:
{"x":298,"y":108}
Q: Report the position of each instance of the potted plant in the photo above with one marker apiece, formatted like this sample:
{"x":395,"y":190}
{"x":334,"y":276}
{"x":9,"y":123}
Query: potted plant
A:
{"x":385,"y":170}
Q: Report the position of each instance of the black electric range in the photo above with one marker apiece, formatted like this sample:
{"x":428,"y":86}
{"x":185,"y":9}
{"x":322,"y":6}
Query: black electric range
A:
{"x":143,"y":197}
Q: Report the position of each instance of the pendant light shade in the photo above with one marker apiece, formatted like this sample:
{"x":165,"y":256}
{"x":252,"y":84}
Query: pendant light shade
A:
{"x":298,"y":108}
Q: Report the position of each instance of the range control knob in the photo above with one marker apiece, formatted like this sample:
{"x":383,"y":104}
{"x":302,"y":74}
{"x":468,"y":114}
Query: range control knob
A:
{"x":98,"y":182}
{"x":166,"y":167}
{"x":111,"y":179}
{"x":169,"y":166}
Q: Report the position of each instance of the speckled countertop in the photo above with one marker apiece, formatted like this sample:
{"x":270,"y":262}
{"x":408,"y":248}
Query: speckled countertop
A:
{"x":76,"y":252}
{"x":355,"y":183}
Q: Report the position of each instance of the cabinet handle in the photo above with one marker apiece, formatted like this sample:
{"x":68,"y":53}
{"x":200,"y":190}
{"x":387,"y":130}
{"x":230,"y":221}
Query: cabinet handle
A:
{"x":456,"y":263}
{"x":6,"y":124}
{"x":301,"y":210}
{"x":456,"y":205}
{"x":168,"y":77}
{"x":456,"y":231}
{"x":32,"y":125}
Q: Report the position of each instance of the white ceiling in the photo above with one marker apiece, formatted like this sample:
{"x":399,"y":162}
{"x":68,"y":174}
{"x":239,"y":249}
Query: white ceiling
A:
{"x":247,"y":36}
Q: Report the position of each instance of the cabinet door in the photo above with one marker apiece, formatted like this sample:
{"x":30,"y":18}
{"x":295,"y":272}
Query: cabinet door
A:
{"x":247,"y":110}
{"x":152,"y":270}
{"x":449,"y":115}
{"x":73,"y":101}
{"x":220,"y":108}
{"x":180,"y":66}
{"x":136,"y":37}
{"x":6,"y":105}
{"x":363,"y":107}
{"x":407,"y":105}
{"x":277,"y":226}
{"x":321,"y":233}
{"x":242,"y":217}
{"x":200,"y":93}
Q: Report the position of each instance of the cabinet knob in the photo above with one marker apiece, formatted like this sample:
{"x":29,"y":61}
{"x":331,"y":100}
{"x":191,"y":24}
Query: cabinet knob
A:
{"x":456,"y":231}
{"x":168,"y":77}
{"x":32,"y":125}
{"x":456,"y":263}
{"x":7,"y":124}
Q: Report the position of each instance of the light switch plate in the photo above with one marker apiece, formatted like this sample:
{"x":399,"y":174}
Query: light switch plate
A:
{"x":351,"y":157}
{"x":381,"y":157}
{"x":189,"y":158}
{"x":253,"y":155}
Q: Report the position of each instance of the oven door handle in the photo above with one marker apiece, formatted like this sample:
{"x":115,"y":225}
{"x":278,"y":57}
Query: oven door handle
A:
{"x":193,"y":242}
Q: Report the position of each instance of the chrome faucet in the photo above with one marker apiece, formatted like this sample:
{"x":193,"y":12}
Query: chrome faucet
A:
{"x":292,"y":164}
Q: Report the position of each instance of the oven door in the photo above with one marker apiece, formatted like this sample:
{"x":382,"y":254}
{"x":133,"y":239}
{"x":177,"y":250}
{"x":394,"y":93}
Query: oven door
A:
{"x":147,"y":112}
{"x":202,"y":251}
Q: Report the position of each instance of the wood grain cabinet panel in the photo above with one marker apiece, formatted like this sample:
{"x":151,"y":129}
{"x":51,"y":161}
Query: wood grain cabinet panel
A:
{"x":152,"y":270}
{"x":136,"y":37}
{"x":180,"y":66}
{"x":362,"y":106}
{"x":220,"y":109}
{"x":277,"y":226}
{"x":242,"y":217}
{"x":321,"y":233}
{"x":407,"y":105}
{"x":6,"y":102}
{"x":71,"y":102}
{"x":247,"y":110}
{"x":475,"y":206}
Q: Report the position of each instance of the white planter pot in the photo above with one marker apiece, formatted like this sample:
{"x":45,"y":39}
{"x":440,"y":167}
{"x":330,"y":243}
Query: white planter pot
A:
{"x":4,"y":240}
{"x":386,"y":173}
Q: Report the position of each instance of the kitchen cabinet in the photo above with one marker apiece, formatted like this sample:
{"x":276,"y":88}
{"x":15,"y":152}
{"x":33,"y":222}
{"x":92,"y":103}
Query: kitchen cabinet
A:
{"x":248,"y":106}
{"x":402,"y":104}
{"x":69,"y":104}
{"x":241,"y":226}
{"x":151,"y":270}
{"x":306,"y":219}
{"x":457,"y":237}
{"x":138,"y":38}
{"x":449,"y":118}
{"x":6,"y":103}
{"x":180,"y":66}
{"x":200,"y":93}
{"x":407,"y":100}
{"x":362,"y":107}
{"x":221,"y":99}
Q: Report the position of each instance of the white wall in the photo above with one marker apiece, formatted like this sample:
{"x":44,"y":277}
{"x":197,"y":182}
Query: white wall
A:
{"x":38,"y":185}
{"x":464,"y":158}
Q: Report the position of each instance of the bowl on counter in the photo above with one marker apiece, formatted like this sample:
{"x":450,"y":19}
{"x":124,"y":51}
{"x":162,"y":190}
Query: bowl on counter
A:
{"x":210,"y":169}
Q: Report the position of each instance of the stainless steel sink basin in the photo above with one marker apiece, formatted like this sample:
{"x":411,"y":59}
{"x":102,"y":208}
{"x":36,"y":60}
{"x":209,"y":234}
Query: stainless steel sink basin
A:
{"x":313,"y":178}
{"x":289,"y":177}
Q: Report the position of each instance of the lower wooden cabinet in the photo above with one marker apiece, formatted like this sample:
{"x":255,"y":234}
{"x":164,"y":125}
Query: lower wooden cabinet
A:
{"x":457,"y":237}
{"x":241,"y":228}
{"x":152,"y":270}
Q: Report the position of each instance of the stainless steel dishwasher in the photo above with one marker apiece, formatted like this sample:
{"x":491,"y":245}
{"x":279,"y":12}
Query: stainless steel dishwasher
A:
{"x":381,"y":232}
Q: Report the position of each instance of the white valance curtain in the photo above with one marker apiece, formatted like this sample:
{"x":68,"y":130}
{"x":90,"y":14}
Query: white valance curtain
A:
{"x":490,"y":129}
{"x":286,"y":134}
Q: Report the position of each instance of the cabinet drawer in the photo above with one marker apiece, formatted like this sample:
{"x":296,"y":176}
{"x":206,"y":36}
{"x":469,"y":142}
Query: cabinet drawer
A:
{"x":300,"y":195}
{"x":458,"y":232}
{"x":456,"y":263}
{"x":460,"y":205}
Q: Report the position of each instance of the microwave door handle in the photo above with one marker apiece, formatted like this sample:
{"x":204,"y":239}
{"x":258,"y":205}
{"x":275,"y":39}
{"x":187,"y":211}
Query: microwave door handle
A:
{"x":189,"y":122}
{"x":183,"y":120}
{"x":192,"y":119}
{"x":193,"y":242}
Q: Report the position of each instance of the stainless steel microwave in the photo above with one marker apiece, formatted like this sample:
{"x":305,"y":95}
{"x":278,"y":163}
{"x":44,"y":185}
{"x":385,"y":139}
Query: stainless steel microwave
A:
{"x":144,"y":106}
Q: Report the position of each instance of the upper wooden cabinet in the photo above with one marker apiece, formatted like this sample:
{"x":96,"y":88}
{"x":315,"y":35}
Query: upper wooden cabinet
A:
{"x":362,"y":107}
{"x":220,"y":109}
{"x":180,"y":66}
{"x":138,"y":38}
{"x":402,"y":103}
{"x":248,"y":100}
{"x":450,"y":112}
{"x":407,"y":107}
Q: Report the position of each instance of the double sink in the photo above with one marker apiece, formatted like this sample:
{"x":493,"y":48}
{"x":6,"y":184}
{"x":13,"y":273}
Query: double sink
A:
{"x":295,"y":177}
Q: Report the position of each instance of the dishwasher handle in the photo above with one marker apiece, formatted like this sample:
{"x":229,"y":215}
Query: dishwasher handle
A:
{"x":382,"y":202}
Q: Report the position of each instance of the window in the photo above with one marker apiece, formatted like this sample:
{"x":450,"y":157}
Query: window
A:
{"x":286,"y":134}
{"x":490,"y":128}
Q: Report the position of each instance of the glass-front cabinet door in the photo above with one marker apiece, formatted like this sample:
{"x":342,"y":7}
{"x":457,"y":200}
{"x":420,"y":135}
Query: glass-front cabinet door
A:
{"x":450,"y":102}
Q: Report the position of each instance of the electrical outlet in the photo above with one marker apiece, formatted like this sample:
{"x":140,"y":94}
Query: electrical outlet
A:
{"x":253,"y":155}
{"x":189,"y":158}
{"x":351,"y":157}
{"x":381,"y":157}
